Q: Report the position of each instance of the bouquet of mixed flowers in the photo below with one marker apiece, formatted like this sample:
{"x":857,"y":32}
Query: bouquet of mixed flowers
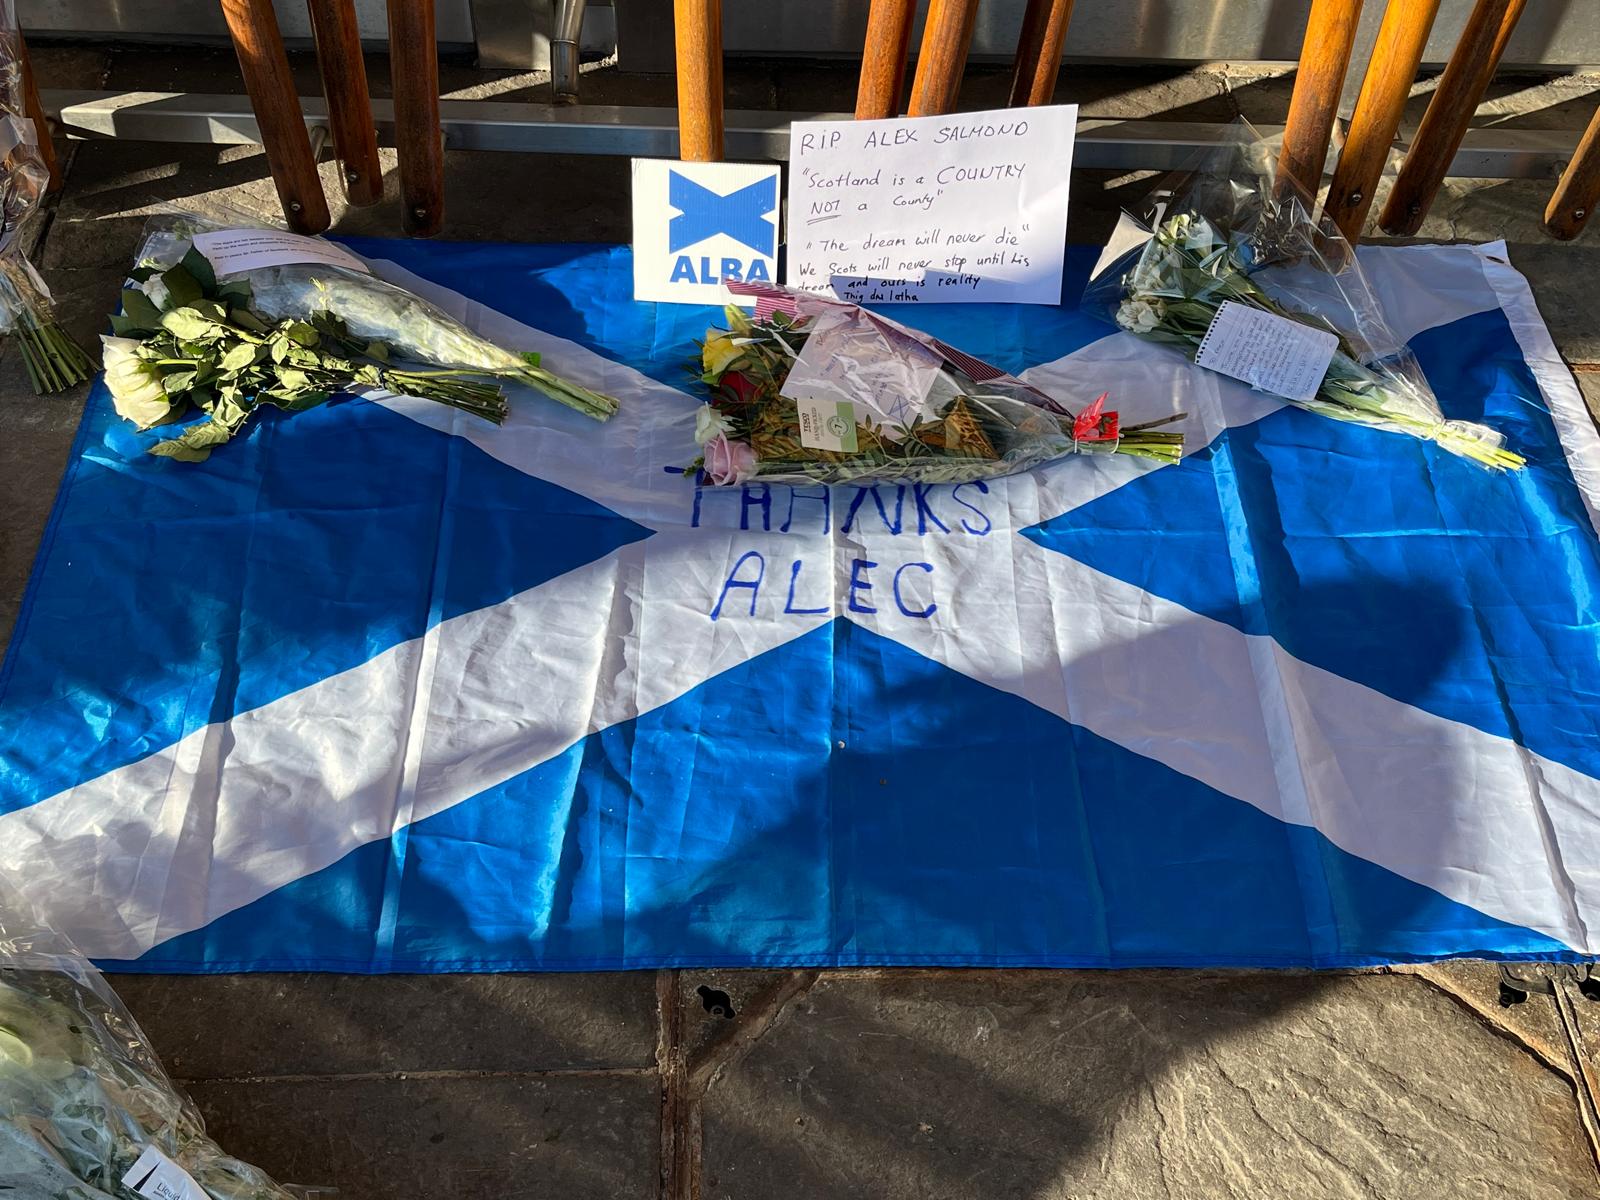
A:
{"x":228,"y":320}
{"x":53,"y":360}
{"x":1228,"y":232}
{"x":817,"y":390}
{"x":86,"y":1110}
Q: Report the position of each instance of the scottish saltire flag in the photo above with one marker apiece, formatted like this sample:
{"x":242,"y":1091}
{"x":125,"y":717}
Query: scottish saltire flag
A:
{"x":381,"y":687}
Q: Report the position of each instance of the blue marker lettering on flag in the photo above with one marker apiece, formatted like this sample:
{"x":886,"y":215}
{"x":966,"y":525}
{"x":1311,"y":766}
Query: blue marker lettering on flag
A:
{"x":742,"y":215}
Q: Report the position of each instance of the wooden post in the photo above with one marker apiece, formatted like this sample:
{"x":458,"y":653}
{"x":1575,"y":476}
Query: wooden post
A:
{"x":1044,"y":31}
{"x":697,"y":28}
{"x":1466,"y":77}
{"x":883,"y":59}
{"x":1579,"y":190}
{"x":1384,"y":89}
{"x":943,"y":57}
{"x":1324,"y":59}
{"x":344,"y":84}
{"x":414,"y":66}
{"x":276,"y":102}
{"x":41,"y":125}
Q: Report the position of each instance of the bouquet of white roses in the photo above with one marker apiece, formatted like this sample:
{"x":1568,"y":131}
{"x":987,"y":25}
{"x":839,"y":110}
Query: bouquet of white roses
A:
{"x":1228,"y":232}
{"x":296,"y":278}
{"x":86,"y":1110}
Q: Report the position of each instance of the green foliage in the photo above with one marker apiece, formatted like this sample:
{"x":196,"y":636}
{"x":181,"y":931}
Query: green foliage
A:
{"x":216,"y":353}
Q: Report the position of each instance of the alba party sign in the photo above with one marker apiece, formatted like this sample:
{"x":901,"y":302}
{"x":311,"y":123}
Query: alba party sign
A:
{"x":697,"y":226}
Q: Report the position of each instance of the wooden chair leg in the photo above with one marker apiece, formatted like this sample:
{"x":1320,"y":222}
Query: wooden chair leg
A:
{"x":41,"y":125}
{"x":414,"y":65}
{"x":273,"y":96}
{"x":1038,"y":65}
{"x":1395,"y":57}
{"x":1324,"y":59}
{"x":943,"y":57}
{"x":1579,"y":190}
{"x":344,"y":84}
{"x":697,"y":25}
{"x":1466,"y":77}
{"x":883,"y":59}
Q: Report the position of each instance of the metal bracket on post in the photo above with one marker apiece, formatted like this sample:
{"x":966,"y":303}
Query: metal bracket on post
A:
{"x":564,"y":48}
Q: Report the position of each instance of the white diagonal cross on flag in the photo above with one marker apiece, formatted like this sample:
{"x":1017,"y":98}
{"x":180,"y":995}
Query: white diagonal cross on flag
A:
{"x":241,"y":808}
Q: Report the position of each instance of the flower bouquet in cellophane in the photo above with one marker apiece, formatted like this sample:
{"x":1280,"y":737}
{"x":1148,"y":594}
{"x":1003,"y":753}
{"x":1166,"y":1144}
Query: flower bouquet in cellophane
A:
{"x":1229,"y":232}
{"x":816,"y":390}
{"x":53,"y":360}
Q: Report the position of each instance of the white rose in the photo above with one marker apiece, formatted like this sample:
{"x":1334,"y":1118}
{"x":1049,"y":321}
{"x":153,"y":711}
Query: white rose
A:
{"x":156,"y":289}
{"x":1139,"y":316}
{"x":135,"y":385}
{"x":709,"y":424}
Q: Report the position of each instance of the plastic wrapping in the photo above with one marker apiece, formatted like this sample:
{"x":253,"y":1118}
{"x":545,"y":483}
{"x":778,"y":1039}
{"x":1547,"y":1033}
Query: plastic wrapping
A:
{"x":1227,"y":230}
{"x":818,"y":390}
{"x":53,"y":360}
{"x":369,"y":307}
{"x":83,"y":1097}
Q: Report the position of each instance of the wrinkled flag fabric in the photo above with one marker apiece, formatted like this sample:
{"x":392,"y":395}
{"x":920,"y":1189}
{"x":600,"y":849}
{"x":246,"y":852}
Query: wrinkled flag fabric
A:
{"x":384,"y":688}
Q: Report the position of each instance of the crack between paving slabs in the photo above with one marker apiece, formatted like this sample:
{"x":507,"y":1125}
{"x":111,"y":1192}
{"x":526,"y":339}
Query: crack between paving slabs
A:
{"x":685,"y":1080}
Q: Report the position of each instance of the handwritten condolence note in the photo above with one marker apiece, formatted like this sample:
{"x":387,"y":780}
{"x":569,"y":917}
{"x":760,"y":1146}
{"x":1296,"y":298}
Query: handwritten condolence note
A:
{"x":966,"y":207}
{"x":1267,"y":351}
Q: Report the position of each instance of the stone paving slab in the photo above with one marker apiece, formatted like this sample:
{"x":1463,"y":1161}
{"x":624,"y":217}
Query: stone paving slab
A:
{"x":307,"y":1024}
{"x":1133,"y":1084}
{"x":462,"y":1137}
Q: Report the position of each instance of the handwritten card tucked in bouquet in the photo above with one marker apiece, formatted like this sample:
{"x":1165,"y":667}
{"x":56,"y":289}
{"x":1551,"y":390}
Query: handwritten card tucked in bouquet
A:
{"x":1267,"y":351}
{"x":930,"y":210}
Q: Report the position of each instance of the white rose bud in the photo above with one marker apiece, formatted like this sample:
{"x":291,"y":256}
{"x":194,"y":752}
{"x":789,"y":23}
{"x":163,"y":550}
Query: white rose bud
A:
{"x":135,"y":385}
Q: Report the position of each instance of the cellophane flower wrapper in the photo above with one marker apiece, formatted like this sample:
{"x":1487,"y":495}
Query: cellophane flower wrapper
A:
{"x":369,"y":306}
{"x":1226,"y":228}
{"x":82,"y":1094}
{"x":53,"y":360}
{"x":904,"y":406}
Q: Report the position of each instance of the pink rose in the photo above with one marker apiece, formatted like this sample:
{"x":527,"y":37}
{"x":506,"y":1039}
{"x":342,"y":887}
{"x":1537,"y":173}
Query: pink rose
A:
{"x":728,"y":462}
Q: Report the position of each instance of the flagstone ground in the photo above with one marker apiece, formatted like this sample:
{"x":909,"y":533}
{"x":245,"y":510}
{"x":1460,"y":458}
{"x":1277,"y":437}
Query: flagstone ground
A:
{"x":891,"y":1084}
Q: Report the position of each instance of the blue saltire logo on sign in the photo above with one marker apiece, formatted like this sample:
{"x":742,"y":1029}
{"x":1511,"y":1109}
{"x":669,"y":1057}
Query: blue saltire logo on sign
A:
{"x":743,"y":215}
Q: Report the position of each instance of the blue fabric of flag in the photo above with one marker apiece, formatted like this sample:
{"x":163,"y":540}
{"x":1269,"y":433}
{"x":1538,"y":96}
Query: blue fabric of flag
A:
{"x":774,"y":816}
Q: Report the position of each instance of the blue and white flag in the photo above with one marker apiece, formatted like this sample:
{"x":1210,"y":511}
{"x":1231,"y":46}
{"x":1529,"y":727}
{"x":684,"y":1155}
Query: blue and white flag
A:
{"x":381,"y":687}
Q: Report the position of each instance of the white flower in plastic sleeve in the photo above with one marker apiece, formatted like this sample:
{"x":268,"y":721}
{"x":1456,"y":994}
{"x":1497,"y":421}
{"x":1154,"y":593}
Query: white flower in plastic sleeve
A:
{"x":135,"y":385}
{"x":156,"y":289}
{"x":1177,"y":228}
{"x":1139,"y":316}
{"x":709,"y":424}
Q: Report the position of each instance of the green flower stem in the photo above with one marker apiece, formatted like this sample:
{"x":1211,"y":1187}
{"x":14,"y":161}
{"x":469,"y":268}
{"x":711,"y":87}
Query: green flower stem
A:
{"x":590,"y":404}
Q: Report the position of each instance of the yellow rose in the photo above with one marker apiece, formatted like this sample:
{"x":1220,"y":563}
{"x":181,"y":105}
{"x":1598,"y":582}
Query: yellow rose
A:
{"x":720,"y":352}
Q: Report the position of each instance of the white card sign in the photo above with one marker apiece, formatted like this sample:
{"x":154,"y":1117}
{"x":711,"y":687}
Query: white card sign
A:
{"x":157,"y":1177}
{"x":699,"y":225}
{"x":1267,"y":351}
{"x":234,"y":250}
{"x":960,"y":208}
